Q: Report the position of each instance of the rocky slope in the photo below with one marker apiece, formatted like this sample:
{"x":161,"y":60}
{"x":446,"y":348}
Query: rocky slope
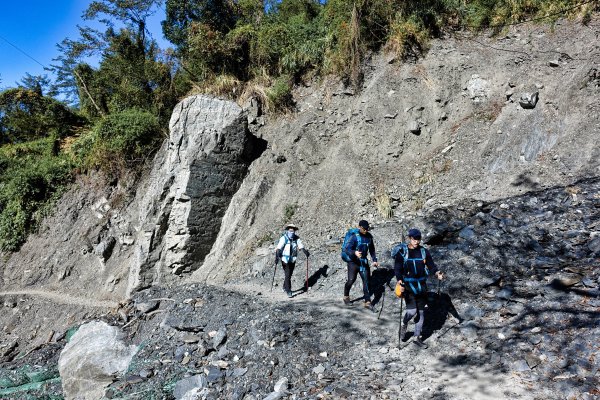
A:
{"x":505,"y":191}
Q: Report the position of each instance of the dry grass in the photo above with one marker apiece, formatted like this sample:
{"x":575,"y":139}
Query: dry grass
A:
{"x":258,"y":91}
{"x":407,"y":38}
{"x":227,"y":86}
{"x":355,"y":53}
{"x":383,"y":202}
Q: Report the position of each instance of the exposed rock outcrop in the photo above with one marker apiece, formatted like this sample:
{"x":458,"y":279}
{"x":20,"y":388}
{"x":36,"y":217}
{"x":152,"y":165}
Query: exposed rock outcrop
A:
{"x":206,"y":160}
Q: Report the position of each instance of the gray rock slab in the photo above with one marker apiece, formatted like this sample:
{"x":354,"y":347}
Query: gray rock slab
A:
{"x":93,"y":358}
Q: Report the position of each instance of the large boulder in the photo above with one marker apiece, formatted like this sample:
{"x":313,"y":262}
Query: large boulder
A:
{"x":92,"y":359}
{"x":194,"y":178}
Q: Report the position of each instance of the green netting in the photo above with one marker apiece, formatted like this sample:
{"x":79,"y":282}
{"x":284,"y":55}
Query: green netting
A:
{"x":27,"y":387}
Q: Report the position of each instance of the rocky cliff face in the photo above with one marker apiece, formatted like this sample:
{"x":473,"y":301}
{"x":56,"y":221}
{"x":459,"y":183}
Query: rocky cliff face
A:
{"x":477,"y":118}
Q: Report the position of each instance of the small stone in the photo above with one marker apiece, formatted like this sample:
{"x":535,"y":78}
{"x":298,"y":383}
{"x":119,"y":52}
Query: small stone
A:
{"x":221,"y":364}
{"x":191,"y":339}
{"x":146,"y":373}
{"x":529,"y":100}
{"x":185,"y":385}
{"x":532,"y":360}
{"x":146,"y":307}
{"x":378,"y":367}
{"x":219,"y":338}
{"x":520,"y":366}
{"x":319,"y":369}
{"x":323,"y":354}
{"x":281,"y":385}
{"x":213,"y":373}
{"x":535,"y":339}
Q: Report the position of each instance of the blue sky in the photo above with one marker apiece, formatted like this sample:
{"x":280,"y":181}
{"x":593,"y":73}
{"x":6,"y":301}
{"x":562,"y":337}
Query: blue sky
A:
{"x":35,"y":27}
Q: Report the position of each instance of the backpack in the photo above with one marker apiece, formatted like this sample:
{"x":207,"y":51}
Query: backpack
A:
{"x":293,"y":246}
{"x":349,"y":234}
{"x":414,"y":283}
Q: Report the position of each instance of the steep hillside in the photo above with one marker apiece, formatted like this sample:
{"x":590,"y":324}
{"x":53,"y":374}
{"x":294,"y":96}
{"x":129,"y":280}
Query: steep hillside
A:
{"x":488,"y":144}
{"x":447,"y":128}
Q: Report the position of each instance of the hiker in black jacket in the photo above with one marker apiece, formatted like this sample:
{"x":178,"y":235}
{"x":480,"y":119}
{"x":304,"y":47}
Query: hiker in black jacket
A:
{"x":356,"y":250}
{"x":412,"y":265}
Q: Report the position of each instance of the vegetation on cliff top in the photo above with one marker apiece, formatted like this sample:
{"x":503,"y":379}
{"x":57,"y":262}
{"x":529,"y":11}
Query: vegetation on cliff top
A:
{"x":113,"y":115}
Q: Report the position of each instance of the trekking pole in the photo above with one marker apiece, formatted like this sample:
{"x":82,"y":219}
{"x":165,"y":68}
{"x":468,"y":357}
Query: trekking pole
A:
{"x":382,"y":302}
{"x":306,"y":274}
{"x":400,"y":326}
{"x":273,"y":281}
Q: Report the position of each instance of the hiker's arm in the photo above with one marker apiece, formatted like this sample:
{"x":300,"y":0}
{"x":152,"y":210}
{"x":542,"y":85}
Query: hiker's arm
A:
{"x":279,"y":250}
{"x":399,"y":267}
{"x":433,"y":269}
{"x":301,"y":247}
{"x":372,"y":252}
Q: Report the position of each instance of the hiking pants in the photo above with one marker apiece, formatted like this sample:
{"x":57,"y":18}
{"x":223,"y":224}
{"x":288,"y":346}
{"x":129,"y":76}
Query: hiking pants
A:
{"x":415,"y":306}
{"x":288,"y":269}
{"x":353,"y":270}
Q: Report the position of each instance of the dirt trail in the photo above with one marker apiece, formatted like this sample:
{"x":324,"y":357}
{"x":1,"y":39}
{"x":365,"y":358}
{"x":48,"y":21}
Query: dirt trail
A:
{"x":432,"y":370}
{"x":62,"y":298}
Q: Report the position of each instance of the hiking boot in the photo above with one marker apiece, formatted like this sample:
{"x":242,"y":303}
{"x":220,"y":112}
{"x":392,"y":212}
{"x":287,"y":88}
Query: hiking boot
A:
{"x":419,"y":342}
{"x":289,"y":294}
{"x":368,"y":305}
{"x":347,"y":300}
{"x":403,"y":331}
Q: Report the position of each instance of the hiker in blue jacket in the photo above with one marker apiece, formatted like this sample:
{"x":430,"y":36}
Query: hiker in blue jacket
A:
{"x":357,"y":248}
{"x":287,"y":252}
{"x":412,"y":265}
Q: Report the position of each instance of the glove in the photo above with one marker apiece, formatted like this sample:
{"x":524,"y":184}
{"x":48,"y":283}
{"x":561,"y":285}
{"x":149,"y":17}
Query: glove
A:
{"x":277,"y":259}
{"x":306,"y":253}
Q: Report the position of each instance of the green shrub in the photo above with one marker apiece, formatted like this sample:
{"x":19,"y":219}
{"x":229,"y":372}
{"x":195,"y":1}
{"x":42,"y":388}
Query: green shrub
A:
{"x":280,"y":94}
{"x":32,"y":178}
{"x":289,"y":211}
{"x":118,"y":141}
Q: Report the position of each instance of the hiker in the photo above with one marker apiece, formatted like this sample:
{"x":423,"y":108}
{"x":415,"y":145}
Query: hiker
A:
{"x":412,"y":265}
{"x":359,"y":243}
{"x":287,"y":252}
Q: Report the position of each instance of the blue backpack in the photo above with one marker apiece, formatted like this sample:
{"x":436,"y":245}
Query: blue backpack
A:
{"x":349,"y":234}
{"x":413,"y":282}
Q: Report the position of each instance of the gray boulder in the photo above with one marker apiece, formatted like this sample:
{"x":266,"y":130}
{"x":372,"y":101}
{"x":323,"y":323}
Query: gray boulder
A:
{"x":92,"y":359}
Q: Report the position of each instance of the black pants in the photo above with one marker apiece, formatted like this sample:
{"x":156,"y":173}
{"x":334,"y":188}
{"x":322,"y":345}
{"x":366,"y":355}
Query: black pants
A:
{"x":353,"y":270}
{"x":288,"y":269}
